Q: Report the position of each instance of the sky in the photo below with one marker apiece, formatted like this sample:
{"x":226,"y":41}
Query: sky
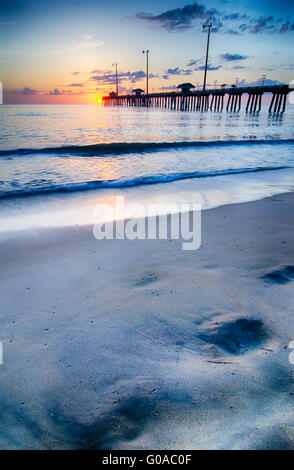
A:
{"x":63,"y":51}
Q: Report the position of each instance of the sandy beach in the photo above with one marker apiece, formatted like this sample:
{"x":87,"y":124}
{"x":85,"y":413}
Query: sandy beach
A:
{"x":121,"y":344}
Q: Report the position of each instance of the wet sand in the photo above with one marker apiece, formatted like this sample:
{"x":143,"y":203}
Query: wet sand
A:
{"x":121,"y":344}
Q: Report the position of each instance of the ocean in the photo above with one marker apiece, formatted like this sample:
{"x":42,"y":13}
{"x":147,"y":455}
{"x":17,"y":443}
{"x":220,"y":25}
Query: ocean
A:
{"x":52,"y":156}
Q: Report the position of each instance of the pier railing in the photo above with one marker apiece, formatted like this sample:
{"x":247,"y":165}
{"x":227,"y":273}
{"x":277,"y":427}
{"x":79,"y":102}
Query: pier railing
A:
{"x":212,"y":99}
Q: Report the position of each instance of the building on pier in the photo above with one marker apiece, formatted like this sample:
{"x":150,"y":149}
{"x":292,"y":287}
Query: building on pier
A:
{"x":186,"y":88}
{"x":138,"y":92}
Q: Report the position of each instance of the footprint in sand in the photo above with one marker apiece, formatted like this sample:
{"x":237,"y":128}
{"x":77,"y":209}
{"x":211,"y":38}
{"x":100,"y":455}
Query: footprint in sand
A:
{"x":234,"y":336}
{"x":147,"y":278}
{"x":282,"y":275}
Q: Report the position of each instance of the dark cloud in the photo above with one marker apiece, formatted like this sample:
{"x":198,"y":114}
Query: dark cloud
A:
{"x":55,"y":92}
{"x":210,"y":67}
{"x":243,"y":27}
{"x":178,"y":71}
{"x":178,"y":19}
{"x":76,"y":84}
{"x":108,"y":78}
{"x":287,"y":26}
{"x":235,"y":23}
{"x":231,"y":57}
{"x":192,"y":62}
{"x":235,"y":17}
{"x":75,"y":73}
{"x":28,"y":91}
{"x":262,"y":25}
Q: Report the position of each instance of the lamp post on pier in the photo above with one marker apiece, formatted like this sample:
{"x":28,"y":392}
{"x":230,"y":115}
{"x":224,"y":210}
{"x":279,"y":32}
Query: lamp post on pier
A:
{"x":209,"y":26}
{"x":147,"y":65}
{"x":116,"y":77}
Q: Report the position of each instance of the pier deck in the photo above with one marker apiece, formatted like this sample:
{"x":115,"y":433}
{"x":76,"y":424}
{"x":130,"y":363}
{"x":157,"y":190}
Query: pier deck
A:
{"x":212,"y":99}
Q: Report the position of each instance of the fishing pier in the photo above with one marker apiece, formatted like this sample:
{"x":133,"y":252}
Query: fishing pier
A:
{"x":188,"y":99}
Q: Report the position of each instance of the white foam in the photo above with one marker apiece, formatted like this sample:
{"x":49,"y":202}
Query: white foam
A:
{"x":65,"y":210}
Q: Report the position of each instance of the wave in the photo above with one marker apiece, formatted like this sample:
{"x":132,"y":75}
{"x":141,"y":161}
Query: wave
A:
{"x":125,"y":183}
{"x":136,"y":147}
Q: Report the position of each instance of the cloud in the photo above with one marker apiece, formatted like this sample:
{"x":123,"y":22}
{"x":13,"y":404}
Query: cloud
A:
{"x":192,"y":62}
{"x":266,"y":24}
{"x":242,"y":28}
{"x":235,"y":23}
{"x":55,"y":92}
{"x":287,"y":26}
{"x":178,"y":19}
{"x":287,"y":67}
{"x":28,"y":91}
{"x":108,"y":78}
{"x":178,"y":71}
{"x":235,"y":17}
{"x":262,"y":24}
{"x":231,"y":57}
{"x":75,"y":73}
{"x":210,"y":67}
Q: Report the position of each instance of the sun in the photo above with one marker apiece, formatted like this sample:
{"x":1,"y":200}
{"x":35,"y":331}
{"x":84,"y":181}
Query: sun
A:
{"x":99,"y":100}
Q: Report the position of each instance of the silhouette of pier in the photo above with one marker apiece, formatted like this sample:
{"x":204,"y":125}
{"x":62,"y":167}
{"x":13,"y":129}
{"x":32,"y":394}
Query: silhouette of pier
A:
{"x":187,"y":99}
